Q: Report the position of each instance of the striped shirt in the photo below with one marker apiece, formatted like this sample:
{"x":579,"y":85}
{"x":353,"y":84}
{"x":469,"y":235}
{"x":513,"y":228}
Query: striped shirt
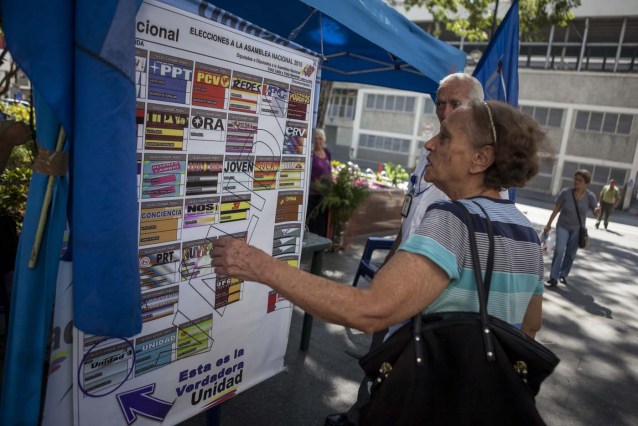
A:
{"x":443,"y":238}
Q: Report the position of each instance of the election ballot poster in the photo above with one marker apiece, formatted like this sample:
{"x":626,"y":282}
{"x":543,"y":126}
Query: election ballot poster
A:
{"x":223,"y":146}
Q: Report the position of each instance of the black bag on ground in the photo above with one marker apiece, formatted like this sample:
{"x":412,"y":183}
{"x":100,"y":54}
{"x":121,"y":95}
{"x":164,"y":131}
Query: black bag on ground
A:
{"x":442,"y":369}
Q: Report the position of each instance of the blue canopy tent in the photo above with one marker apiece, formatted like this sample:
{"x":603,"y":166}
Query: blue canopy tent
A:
{"x":79,"y":56}
{"x":361,"y":41}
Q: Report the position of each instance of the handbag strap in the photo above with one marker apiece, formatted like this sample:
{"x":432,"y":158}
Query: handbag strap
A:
{"x":577,"y":211}
{"x":480,"y":286}
{"x":490,"y":255}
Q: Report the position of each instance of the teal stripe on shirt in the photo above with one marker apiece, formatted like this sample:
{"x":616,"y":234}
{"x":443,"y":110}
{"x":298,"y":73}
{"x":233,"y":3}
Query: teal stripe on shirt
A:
{"x":434,"y":251}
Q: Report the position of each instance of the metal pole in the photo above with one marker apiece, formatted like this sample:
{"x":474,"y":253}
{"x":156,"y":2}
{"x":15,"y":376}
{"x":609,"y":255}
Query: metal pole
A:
{"x":620,"y":42}
{"x":35,"y":250}
{"x":583,"y":45}
{"x":549,"y":46}
{"x":494,"y":19}
{"x":564,"y":50}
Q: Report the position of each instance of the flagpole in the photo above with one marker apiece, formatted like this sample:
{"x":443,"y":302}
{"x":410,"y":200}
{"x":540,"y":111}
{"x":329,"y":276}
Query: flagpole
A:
{"x":494,"y":19}
{"x":33,"y":260}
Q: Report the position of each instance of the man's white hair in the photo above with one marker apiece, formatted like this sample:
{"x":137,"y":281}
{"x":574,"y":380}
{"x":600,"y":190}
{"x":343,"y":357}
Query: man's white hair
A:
{"x":476,"y":92}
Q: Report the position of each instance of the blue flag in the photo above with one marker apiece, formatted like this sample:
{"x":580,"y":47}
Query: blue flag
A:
{"x":106,"y":289}
{"x":79,"y":56}
{"x":498,"y":68}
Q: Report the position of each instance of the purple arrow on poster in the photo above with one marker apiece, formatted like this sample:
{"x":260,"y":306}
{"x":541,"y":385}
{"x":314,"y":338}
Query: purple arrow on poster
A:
{"x":140,"y":401}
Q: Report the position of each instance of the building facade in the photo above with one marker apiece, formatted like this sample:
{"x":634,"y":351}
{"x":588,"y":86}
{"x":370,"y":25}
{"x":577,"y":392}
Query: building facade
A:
{"x":580,"y":82}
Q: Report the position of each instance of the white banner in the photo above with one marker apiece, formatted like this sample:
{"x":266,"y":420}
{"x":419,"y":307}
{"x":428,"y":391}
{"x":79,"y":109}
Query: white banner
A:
{"x":223,"y":124}
{"x":58,"y":404}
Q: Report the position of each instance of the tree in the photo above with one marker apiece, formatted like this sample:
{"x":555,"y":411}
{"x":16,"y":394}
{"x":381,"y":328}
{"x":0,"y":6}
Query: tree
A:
{"x":474,"y":19}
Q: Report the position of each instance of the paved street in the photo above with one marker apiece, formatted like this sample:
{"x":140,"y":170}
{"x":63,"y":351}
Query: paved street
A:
{"x":591,"y":324}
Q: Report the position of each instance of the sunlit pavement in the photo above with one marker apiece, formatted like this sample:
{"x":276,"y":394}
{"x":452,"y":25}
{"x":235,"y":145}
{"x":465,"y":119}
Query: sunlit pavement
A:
{"x":591,"y":323}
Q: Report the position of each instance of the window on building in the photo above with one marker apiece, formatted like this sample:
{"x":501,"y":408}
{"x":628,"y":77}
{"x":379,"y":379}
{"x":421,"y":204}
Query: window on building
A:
{"x":384,"y":143}
{"x":582,"y":117}
{"x":409,"y":104}
{"x":389,"y":103}
{"x":540,"y":114}
{"x":595,"y":122}
{"x":550,"y":117}
{"x":370,"y":101}
{"x":619,"y":175}
{"x":600,"y":175}
{"x":546,"y":166}
{"x":393,"y":103}
{"x":342,"y":103}
{"x":555,"y":118}
{"x":400,"y":103}
{"x":569,"y":168}
{"x":624,"y":124}
{"x":610,"y":122}
{"x":605,"y":122}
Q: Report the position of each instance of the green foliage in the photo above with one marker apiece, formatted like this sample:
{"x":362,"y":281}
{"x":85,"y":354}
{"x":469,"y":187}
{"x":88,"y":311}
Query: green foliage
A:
{"x":472,"y":19}
{"x":14,"y":185}
{"x":14,"y":182}
{"x":396,"y":173}
{"x":343,"y":195}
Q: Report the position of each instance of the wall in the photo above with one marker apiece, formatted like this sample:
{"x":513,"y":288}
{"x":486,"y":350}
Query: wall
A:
{"x":584,"y":88}
{"x":394,"y":122}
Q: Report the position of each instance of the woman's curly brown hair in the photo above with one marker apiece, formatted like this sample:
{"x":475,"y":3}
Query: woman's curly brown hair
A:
{"x":519,"y":138}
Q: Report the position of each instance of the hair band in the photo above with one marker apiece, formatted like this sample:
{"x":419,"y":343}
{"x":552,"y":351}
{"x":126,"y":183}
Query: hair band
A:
{"x":489,"y":112}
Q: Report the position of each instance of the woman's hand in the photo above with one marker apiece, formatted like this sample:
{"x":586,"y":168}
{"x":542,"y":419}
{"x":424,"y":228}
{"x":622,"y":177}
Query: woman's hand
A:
{"x":233,"y":257}
{"x":547,"y":229}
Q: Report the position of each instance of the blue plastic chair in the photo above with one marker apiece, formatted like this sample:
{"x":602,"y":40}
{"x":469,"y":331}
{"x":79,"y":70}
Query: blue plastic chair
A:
{"x":366,"y":267}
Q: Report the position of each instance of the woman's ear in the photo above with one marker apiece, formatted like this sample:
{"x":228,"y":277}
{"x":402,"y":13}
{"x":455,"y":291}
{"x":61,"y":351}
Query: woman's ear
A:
{"x":482,"y":159}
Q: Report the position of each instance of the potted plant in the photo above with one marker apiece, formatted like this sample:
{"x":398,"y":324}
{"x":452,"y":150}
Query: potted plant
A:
{"x":340,"y":197}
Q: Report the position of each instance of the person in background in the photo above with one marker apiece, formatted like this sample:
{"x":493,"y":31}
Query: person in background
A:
{"x":607,"y":201}
{"x":454,"y":90}
{"x":568,"y":224}
{"x":321,"y":170}
{"x":482,"y":148}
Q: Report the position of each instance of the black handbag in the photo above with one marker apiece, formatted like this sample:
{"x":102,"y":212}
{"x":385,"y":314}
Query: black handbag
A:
{"x":583,"y":237}
{"x":457,"y":368}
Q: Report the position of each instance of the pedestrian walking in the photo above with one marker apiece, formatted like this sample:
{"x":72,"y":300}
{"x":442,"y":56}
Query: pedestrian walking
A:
{"x":608,"y":200}
{"x":572,"y":203}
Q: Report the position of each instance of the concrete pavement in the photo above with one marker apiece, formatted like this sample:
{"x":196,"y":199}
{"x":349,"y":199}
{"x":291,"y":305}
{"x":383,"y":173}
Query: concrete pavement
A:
{"x":591,"y":324}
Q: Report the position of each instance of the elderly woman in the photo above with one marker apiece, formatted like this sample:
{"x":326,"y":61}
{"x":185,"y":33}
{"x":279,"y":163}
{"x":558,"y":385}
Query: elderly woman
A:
{"x":571,"y":203}
{"x":321,"y":171}
{"x":481,"y":148}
